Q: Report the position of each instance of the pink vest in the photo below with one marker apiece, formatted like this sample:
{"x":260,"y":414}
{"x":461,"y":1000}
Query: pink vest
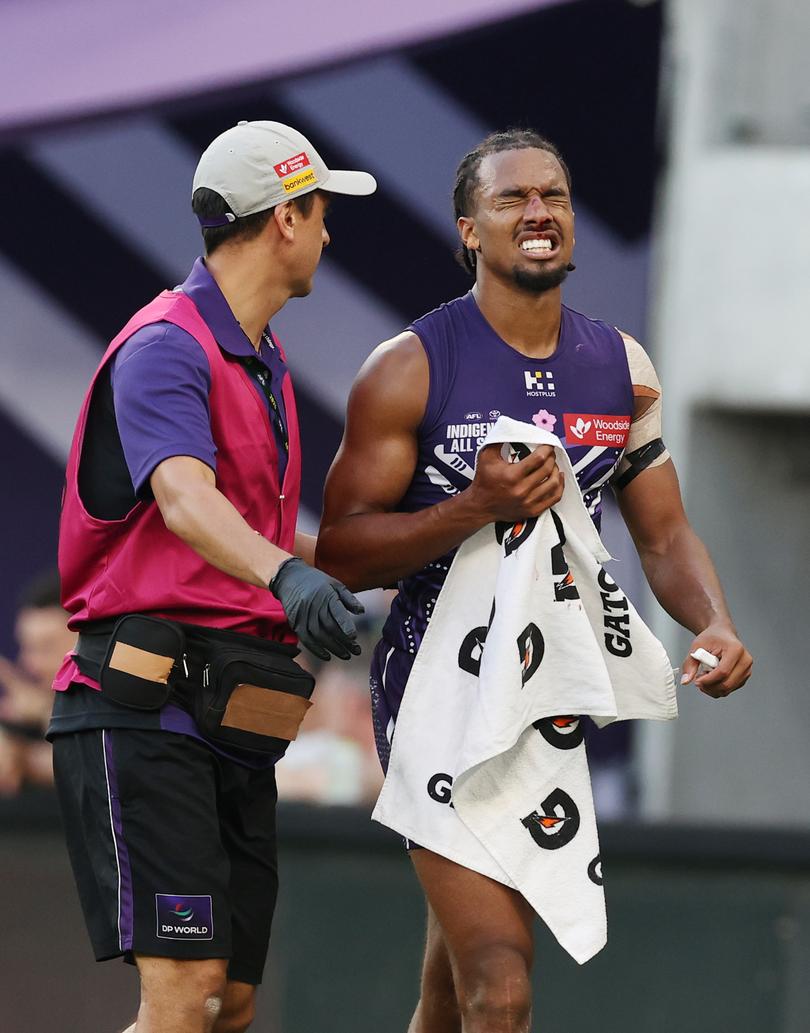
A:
{"x":135,"y":565}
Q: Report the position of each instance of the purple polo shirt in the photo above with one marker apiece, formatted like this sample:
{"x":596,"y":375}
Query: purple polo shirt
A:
{"x":161,"y":380}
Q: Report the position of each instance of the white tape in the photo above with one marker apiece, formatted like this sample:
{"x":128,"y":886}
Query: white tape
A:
{"x":703,"y":656}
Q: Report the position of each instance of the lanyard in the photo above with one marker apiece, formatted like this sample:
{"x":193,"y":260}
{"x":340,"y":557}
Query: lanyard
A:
{"x":260,"y":372}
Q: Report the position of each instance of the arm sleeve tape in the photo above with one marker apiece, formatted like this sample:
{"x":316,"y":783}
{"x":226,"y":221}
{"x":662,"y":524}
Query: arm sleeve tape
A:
{"x":641,"y":459}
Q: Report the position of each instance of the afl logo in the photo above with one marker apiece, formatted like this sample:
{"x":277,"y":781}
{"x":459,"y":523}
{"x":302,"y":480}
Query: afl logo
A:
{"x":556,"y":823}
{"x":595,"y":870}
{"x":512,"y":536}
{"x":566,"y":733}
{"x":531,"y":648}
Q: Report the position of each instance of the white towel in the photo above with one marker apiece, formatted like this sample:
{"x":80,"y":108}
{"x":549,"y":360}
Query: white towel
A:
{"x":526,"y":630}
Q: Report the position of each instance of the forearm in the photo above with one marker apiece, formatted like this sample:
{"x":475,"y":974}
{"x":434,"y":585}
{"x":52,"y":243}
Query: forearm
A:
{"x":305,"y":547}
{"x":207,"y":522}
{"x":373,"y":550}
{"x":683,"y":579}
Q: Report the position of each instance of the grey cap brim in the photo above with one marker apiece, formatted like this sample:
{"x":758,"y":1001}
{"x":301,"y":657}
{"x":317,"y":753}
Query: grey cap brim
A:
{"x":341,"y":182}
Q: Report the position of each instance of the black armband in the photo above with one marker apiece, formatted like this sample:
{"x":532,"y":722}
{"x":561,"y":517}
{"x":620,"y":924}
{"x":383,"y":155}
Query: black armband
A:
{"x":640,"y":460}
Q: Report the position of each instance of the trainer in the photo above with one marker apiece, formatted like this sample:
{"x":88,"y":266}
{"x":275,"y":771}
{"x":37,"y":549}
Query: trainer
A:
{"x":405,"y":490}
{"x":189,"y":585}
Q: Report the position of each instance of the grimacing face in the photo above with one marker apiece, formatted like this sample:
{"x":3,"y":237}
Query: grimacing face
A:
{"x":521,"y":222}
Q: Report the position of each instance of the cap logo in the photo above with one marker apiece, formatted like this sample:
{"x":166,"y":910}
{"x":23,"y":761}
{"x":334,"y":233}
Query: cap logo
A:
{"x":294,"y":164}
{"x":292,"y":184}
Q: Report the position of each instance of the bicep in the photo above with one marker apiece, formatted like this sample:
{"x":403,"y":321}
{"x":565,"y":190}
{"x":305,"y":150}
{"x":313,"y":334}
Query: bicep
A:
{"x":377,"y":457}
{"x":177,"y":476}
{"x":652,"y":507}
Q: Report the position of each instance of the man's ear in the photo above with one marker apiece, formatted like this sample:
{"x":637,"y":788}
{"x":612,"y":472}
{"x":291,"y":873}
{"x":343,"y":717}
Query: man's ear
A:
{"x":466,"y":230}
{"x":285,"y":216}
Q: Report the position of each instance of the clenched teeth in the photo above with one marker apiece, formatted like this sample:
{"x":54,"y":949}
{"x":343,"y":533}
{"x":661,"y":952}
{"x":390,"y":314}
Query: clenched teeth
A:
{"x":536,"y":245}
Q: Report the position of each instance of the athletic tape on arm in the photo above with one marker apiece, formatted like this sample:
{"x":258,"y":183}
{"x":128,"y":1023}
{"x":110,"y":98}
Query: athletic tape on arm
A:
{"x":645,"y":447}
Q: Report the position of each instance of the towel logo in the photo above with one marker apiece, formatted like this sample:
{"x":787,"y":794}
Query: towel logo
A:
{"x":531,"y":647}
{"x":565,"y":733}
{"x":512,"y":536}
{"x":439,"y":787}
{"x":471,"y":652}
{"x":556,"y":822}
{"x":616,"y":616}
{"x":595,"y":870}
{"x":564,"y":587}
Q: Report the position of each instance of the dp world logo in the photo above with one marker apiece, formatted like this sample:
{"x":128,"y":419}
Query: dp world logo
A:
{"x":184,"y":917}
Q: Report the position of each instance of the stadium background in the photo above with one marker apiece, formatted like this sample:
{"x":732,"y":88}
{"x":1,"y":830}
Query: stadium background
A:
{"x":687,"y":128}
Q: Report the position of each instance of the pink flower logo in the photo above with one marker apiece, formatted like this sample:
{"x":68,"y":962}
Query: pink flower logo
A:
{"x":545,"y":420}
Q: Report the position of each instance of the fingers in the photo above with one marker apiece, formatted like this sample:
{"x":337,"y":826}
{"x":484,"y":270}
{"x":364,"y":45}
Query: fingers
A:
{"x":312,"y":644}
{"x":322,"y":629}
{"x":731,"y":673}
{"x":540,"y":457}
{"x":546,"y":494}
{"x":689,"y":670}
{"x":330,"y":626}
{"x":341,"y":626}
{"x":351,"y":602}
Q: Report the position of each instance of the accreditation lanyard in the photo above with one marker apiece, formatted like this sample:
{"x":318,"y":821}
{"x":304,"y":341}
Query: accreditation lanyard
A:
{"x":261,"y":374}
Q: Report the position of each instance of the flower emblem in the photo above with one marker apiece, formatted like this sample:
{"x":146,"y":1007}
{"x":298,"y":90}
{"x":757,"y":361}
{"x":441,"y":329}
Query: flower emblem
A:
{"x":545,"y":420}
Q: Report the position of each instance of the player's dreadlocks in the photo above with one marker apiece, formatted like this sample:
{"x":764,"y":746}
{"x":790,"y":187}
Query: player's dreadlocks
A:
{"x":467,"y":173}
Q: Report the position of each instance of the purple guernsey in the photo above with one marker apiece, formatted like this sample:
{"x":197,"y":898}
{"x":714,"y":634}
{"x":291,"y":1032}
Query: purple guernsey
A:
{"x":582,"y":393}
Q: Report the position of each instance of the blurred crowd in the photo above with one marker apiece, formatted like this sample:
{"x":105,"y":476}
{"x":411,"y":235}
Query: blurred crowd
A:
{"x":333,"y":760}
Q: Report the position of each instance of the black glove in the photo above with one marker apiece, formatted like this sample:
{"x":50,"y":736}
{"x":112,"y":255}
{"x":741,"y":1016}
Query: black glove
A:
{"x":318,"y":608}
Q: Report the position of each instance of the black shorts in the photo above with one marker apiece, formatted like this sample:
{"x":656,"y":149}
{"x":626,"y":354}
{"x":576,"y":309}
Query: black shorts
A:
{"x":173,"y":847}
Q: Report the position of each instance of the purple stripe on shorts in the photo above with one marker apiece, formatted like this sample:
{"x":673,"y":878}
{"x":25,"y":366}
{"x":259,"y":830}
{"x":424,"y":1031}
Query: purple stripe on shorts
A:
{"x":125,"y":902}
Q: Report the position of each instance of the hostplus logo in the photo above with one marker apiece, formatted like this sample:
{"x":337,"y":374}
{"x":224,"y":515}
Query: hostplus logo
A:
{"x":184,"y":918}
{"x":539,"y":384}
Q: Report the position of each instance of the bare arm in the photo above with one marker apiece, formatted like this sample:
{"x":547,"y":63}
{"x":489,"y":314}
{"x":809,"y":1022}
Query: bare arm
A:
{"x":362,"y":540}
{"x":305,"y":547}
{"x":682,"y":575}
{"x":198,"y":513}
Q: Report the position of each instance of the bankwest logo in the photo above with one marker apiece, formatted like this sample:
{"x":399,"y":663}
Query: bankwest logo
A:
{"x":291,"y":165}
{"x":591,"y":429}
{"x":538,"y":383}
{"x":300,"y":180}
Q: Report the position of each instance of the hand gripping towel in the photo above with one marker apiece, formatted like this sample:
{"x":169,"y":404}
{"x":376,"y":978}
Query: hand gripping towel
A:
{"x":488,"y":764}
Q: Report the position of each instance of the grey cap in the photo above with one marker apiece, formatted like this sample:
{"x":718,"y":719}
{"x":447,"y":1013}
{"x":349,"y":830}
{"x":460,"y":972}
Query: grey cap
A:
{"x":257,"y":165}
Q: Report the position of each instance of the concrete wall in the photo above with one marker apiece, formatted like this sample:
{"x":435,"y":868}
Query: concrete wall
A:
{"x":731,"y":345}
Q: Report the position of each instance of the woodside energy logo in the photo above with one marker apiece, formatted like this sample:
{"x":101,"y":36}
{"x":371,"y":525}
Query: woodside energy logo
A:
{"x":586,"y":428}
{"x":295,"y":173}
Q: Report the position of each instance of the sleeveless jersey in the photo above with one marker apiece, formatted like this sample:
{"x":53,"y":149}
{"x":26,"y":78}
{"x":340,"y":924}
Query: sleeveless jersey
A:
{"x":582,"y":393}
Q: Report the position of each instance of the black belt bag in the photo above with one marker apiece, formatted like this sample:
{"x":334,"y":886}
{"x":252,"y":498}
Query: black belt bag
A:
{"x":253,"y":699}
{"x":242,"y":692}
{"x":141,"y":655}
